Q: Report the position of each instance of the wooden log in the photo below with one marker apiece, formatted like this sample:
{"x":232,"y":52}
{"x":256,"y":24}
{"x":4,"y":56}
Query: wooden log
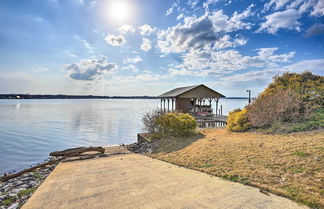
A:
{"x":64,"y":153}
{"x":76,"y":151}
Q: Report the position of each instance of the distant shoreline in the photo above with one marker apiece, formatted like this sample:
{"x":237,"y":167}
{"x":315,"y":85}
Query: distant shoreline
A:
{"x":62,"y":96}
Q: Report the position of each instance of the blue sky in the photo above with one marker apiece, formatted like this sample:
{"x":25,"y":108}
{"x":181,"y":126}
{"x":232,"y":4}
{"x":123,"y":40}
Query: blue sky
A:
{"x":146,"y":47}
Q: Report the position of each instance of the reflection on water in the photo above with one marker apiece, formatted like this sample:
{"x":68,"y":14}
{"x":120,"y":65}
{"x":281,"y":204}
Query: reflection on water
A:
{"x":30,"y":129}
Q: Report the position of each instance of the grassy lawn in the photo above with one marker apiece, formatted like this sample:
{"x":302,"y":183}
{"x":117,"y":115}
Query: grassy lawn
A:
{"x":291,"y":165}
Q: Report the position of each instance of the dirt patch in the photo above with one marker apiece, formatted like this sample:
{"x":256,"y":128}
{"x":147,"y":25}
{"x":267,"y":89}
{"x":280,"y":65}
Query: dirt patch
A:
{"x":290,"y":165}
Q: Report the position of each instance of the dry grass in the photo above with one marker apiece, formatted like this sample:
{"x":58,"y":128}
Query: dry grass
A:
{"x":290,"y":165}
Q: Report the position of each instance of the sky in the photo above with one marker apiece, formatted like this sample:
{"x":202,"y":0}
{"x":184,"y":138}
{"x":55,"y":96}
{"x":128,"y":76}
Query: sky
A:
{"x":147,"y":47}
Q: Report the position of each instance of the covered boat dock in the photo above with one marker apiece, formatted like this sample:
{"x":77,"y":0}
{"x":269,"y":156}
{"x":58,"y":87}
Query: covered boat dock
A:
{"x":197,"y":101}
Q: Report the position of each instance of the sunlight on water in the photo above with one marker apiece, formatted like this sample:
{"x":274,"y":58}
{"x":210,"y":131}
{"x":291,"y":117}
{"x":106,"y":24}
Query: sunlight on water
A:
{"x":31,"y":129}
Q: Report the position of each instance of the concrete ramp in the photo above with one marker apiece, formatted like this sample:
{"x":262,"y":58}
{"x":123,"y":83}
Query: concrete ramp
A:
{"x":135,"y":181}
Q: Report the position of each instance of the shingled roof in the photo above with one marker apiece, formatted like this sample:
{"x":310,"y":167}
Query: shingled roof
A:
{"x":179,"y":91}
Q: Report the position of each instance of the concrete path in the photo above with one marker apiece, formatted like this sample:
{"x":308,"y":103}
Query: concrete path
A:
{"x":135,"y":181}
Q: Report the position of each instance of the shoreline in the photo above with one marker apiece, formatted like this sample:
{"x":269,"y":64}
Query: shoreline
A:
{"x":15,"y":192}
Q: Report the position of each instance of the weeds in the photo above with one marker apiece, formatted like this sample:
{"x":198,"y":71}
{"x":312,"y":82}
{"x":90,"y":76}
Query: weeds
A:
{"x":37,"y":175}
{"x":300,"y":154}
{"x":207,"y":165}
{"x":26,"y":192}
{"x":297,"y":170}
{"x":8,"y":201}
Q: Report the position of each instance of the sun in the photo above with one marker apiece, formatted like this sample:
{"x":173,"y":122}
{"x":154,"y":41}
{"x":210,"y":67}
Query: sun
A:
{"x":119,"y":11}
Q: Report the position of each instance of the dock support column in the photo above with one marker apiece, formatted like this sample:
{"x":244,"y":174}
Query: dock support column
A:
{"x":168,"y":105}
{"x":217,"y":106}
{"x":221,"y":110}
{"x":164,"y":105}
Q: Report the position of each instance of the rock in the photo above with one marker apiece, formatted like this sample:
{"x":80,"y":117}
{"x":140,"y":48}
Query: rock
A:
{"x":32,"y":183}
{"x":14,"y":206}
{"x":6,"y":186}
{"x":18,"y":183}
{"x":17,"y":190}
{"x":140,"y":147}
{"x":11,"y":194}
{"x":26,"y":178}
{"x":2,"y":197}
{"x":12,"y":187}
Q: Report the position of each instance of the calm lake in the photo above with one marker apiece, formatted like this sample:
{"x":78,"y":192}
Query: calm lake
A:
{"x":31,"y":129}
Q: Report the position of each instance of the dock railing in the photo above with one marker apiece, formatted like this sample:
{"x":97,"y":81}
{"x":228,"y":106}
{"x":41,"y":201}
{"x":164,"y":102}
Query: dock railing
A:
{"x":210,"y":120}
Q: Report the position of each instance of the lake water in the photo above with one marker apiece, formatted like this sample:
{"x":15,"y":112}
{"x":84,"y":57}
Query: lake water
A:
{"x":31,"y":129}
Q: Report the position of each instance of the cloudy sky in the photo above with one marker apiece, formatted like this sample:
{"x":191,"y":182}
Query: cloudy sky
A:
{"x":146,"y":47}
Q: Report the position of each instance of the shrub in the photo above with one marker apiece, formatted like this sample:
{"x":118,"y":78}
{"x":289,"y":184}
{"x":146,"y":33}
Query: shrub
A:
{"x":149,"y":121}
{"x":267,"y":109}
{"x":237,"y":120}
{"x":176,"y":124}
{"x":308,"y":87}
{"x":288,"y":104}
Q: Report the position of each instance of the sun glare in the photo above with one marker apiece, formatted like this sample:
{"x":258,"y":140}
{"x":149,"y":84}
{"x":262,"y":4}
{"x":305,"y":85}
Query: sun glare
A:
{"x":119,"y":10}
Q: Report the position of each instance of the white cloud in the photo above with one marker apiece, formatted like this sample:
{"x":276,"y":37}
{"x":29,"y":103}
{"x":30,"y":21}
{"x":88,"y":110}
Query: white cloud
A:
{"x":146,"y":44}
{"x":90,"y":69}
{"x":278,"y":4}
{"x":209,"y":61}
{"x":287,"y":19}
{"x":84,"y":42}
{"x":115,"y":40}
{"x":133,"y":59}
{"x":295,"y":4}
{"x":315,"y":66}
{"x":146,"y":29}
{"x":131,"y":67}
{"x":180,"y":16}
{"x":225,"y":42}
{"x":145,"y":75}
{"x":212,"y":1}
{"x":126,"y":28}
{"x":193,"y":3}
{"x":171,"y":9}
{"x":201,"y":32}
{"x":318,"y":9}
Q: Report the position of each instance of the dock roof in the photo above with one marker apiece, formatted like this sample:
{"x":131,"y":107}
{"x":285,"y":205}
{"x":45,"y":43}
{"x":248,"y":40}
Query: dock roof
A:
{"x":179,"y":92}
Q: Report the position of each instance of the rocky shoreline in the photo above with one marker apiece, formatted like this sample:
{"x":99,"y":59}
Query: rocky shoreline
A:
{"x":142,"y":148}
{"x":16,"y":191}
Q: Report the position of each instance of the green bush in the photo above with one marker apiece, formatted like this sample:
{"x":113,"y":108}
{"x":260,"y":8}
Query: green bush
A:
{"x":176,"y":124}
{"x":237,"y":121}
